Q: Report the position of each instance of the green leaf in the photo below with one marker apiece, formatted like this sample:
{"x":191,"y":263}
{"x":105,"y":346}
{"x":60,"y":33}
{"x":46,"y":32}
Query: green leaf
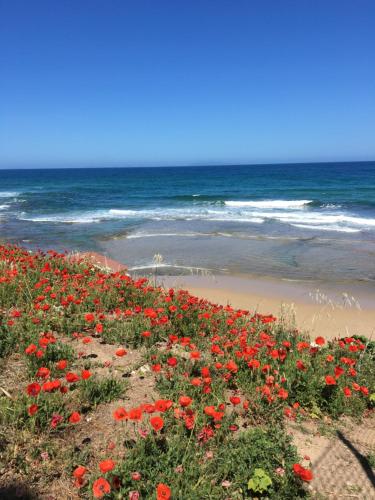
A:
{"x":260,"y":481}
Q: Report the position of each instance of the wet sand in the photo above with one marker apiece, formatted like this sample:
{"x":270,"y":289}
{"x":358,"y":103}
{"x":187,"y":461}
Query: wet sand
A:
{"x":315,"y":308}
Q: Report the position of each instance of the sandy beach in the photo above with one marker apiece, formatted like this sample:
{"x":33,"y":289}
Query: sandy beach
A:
{"x":330,"y":310}
{"x":334,"y":310}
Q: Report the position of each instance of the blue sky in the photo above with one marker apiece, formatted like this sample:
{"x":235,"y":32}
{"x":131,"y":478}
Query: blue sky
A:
{"x":88,"y":82}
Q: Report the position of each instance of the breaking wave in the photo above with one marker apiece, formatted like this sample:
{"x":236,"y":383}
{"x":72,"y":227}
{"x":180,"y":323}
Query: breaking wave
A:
{"x":8,"y":194}
{"x":269,"y":203}
{"x":324,"y":220}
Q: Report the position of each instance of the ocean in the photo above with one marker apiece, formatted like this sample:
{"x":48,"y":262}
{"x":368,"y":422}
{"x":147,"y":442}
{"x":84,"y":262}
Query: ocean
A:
{"x":295,"y":221}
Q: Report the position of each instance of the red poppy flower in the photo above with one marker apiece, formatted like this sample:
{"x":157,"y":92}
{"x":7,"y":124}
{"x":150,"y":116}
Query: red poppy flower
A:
{"x":300,"y":365}
{"x":235,"y":400}
{"x":339,"y":371}
{"x":283,"y":394}
{"x":101,"y":487}
{"x":302,"y":345}
{"x":85,"y":374}
{"x":79,"y":472}
{"x":231,"y":366}
{"x":330,"y":380}
{"x":55,"y":420}
{"x":62,"y":364}
{"x":149,"y":312}
{"x":253,"y":363}
{"x":304,"y":474}
{"x":120,"y":414}
{"x":320,"y":341}
{"x":121,"y":352}
{"x":172,"y":362}
{"x":74,"y":418}
{"x":246,"y":405}
{"x":71,"y":377}
{"x":135,"y":414}
{"x":347,"y":392}
{"x":148,"y":408}
{"x":31,"y":349}
{"x":136,"y":476}
{"x":209,"y":410}
{"x":43,"y":372}
{"x":33,"y":389}
{"x":196,"y":382}
{"x":157,"y":423}
{"x":51,"y":385}
{"x":185,"y":401}
{"x":89,"y":317}
{"x":156,"y":368}
{"x":32,"y":409}
{"x":163,"y":405}
{"x":163,"y":492}
{"x":107,"y":465}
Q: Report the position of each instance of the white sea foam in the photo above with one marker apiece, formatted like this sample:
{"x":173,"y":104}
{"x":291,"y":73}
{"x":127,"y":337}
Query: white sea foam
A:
{"x":287,"y":204}
{"x":134,"y":236}
{"x":8,"y":194}
{"x":317,"y":218}
{"x":359,"y":220}
{"x":85,"y":218}
{"x":140,"y":235}
{"x":339,"y":229}
{"x":4,"y":207}
{"x":128,"y":213}
{"x":163,"y":264}
{"x":255,"y":220}
{"x":330,"y":205}
{"x":324,"y":219}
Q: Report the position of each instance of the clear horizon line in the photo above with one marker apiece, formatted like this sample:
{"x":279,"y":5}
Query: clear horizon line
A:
{"x":187,"y":165}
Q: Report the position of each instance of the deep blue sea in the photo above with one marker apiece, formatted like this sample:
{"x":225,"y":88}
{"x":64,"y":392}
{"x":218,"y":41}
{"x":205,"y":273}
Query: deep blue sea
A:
{"x":298,"y":221}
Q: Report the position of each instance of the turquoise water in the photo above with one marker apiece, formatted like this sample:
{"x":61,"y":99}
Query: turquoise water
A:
{"x":297,"y":221}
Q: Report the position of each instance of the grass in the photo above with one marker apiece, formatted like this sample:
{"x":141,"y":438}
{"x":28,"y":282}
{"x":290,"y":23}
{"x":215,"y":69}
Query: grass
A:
{"x":95,"y":391}
{"x":204,"y":416}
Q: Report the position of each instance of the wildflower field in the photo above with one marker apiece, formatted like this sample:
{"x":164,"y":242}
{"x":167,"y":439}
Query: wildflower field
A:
{"x":115,"y":388}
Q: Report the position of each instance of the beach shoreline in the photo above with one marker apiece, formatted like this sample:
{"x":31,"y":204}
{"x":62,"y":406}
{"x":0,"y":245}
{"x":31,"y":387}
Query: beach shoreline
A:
{"x":327,"y":309}
{"x":332,"y":310}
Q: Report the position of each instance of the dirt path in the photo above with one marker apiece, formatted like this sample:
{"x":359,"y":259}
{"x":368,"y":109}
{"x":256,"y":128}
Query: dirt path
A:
{"x":338,"y":456}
